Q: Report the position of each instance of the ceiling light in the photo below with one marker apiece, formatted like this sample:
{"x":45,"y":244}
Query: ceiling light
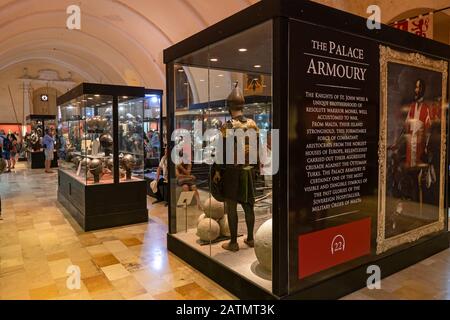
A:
{"x":90,"y":98}
{"x":220,"y":75}
{"x":243,"y":50}
{"x":202,"y":80}
{"x":257,"y":66}
{"x":125,"y":97}
{"x":97,"y":95}
{"x":213,"y":59}
{"x":180,"y":70}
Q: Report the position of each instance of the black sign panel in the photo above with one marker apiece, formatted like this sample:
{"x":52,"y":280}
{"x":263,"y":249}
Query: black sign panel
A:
{"x":334,"y":112}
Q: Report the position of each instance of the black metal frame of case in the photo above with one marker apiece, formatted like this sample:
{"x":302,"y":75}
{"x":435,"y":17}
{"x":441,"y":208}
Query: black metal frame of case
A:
{"x":281,"y":12}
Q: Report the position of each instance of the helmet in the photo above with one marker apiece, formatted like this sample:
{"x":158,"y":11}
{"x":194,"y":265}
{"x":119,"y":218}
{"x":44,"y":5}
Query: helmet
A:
{"x":235,"y":100}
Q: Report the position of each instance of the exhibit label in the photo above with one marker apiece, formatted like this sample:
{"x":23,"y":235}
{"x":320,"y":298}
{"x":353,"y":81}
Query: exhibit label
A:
{"x":334,"y":102}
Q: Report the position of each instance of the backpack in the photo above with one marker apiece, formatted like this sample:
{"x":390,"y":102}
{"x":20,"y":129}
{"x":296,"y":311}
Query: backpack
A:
{"x":7,"y":145}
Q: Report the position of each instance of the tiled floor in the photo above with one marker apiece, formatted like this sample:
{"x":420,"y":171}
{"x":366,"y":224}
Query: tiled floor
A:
{"x":39,"y":241}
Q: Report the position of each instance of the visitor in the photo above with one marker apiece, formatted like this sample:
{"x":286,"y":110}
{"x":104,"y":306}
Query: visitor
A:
{"x":49,"y":148}
{"x":13,"y":153}
{"x":6,"y":150}
{"x":61,"y":146}
{"x":164,"y":180}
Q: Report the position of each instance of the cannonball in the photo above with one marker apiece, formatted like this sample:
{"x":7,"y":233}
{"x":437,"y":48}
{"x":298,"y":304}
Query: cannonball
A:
{"x":224,"y":226}
{"x":263,"y":245}
{"x":208,"y":230}
{"x":203,"y":216}
{"x":213,"y":209}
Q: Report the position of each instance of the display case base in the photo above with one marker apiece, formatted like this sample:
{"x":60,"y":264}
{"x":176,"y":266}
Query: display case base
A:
{"x":333,"y":288}
{"x":36,"y":160}
{"x":103,"y":206}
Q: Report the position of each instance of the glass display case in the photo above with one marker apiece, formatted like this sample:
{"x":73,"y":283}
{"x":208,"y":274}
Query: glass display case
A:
{"x":153,"y":135}
{"x":103,"y":128}
{"x":347,"y":177}
{"x":203,"y":83}
{"x":36,"y":127}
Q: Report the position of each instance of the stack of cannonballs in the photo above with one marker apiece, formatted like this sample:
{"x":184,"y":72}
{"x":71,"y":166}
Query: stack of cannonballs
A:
{"x":213,"y":223}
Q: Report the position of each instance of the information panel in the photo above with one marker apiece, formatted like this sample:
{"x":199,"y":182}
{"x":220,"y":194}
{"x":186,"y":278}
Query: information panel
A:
{"x":334,"y":110}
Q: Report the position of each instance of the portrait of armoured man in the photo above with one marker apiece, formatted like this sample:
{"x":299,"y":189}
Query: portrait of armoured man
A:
{"x":414,"y":145}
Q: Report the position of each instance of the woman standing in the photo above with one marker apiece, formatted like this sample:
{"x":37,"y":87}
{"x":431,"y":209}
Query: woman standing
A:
{"x":13,"y":140}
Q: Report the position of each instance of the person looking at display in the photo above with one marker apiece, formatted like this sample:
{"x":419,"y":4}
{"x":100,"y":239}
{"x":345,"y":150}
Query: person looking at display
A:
{"x":164,"y":180}
{"x":235,"y":181}
{"x":186,"y":180}
{"x":49,"y":148}
{"x":13,"y":141}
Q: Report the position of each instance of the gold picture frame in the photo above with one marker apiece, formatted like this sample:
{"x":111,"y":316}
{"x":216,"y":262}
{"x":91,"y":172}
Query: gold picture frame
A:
{"x":389,"y":55}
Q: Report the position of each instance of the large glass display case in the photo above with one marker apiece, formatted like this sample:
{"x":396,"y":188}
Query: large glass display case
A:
{"x":350,"y":128}
{"x":202,"y":87}
{"x":103,"y":129}
{"x":36,"y":126}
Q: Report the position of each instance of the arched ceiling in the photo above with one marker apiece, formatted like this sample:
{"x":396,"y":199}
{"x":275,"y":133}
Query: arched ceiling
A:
{"x":120,"y":41}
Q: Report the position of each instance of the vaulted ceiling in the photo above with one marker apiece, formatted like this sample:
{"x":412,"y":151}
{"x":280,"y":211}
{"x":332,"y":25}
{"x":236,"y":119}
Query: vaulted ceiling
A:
{"x":120,"y":41}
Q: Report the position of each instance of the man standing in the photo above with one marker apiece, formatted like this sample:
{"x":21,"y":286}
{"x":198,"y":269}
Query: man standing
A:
{"x":418,"y":125}
{"x":49,"y":148}
{"x":6,"y":149}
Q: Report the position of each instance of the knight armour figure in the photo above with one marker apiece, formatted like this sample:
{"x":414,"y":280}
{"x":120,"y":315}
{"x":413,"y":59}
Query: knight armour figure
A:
{"x":236,"y":179}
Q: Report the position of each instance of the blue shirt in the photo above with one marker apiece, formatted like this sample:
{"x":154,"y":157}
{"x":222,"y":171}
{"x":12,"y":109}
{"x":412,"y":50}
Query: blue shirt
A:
{"x":49,"y":143}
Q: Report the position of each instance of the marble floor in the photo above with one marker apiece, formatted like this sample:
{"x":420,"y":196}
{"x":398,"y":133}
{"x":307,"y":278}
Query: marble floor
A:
{"x":39,"y":240}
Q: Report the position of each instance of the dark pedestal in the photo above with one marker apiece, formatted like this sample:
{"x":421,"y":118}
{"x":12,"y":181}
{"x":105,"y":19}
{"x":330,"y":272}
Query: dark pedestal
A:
{"x":104,"y":205}
{"x":333,"y":288}
{"x":36,"y":159}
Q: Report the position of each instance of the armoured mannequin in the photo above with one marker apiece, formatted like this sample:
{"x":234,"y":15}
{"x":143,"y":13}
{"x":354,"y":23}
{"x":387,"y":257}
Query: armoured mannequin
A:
{"x":236,"y":180}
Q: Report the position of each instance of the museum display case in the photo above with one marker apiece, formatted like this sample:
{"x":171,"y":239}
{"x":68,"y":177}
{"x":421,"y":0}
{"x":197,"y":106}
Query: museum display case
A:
{"x":36,"y":126}
{"x":350,"y":131}
{"x":101,"y":179}
{"x":153,"y":128}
